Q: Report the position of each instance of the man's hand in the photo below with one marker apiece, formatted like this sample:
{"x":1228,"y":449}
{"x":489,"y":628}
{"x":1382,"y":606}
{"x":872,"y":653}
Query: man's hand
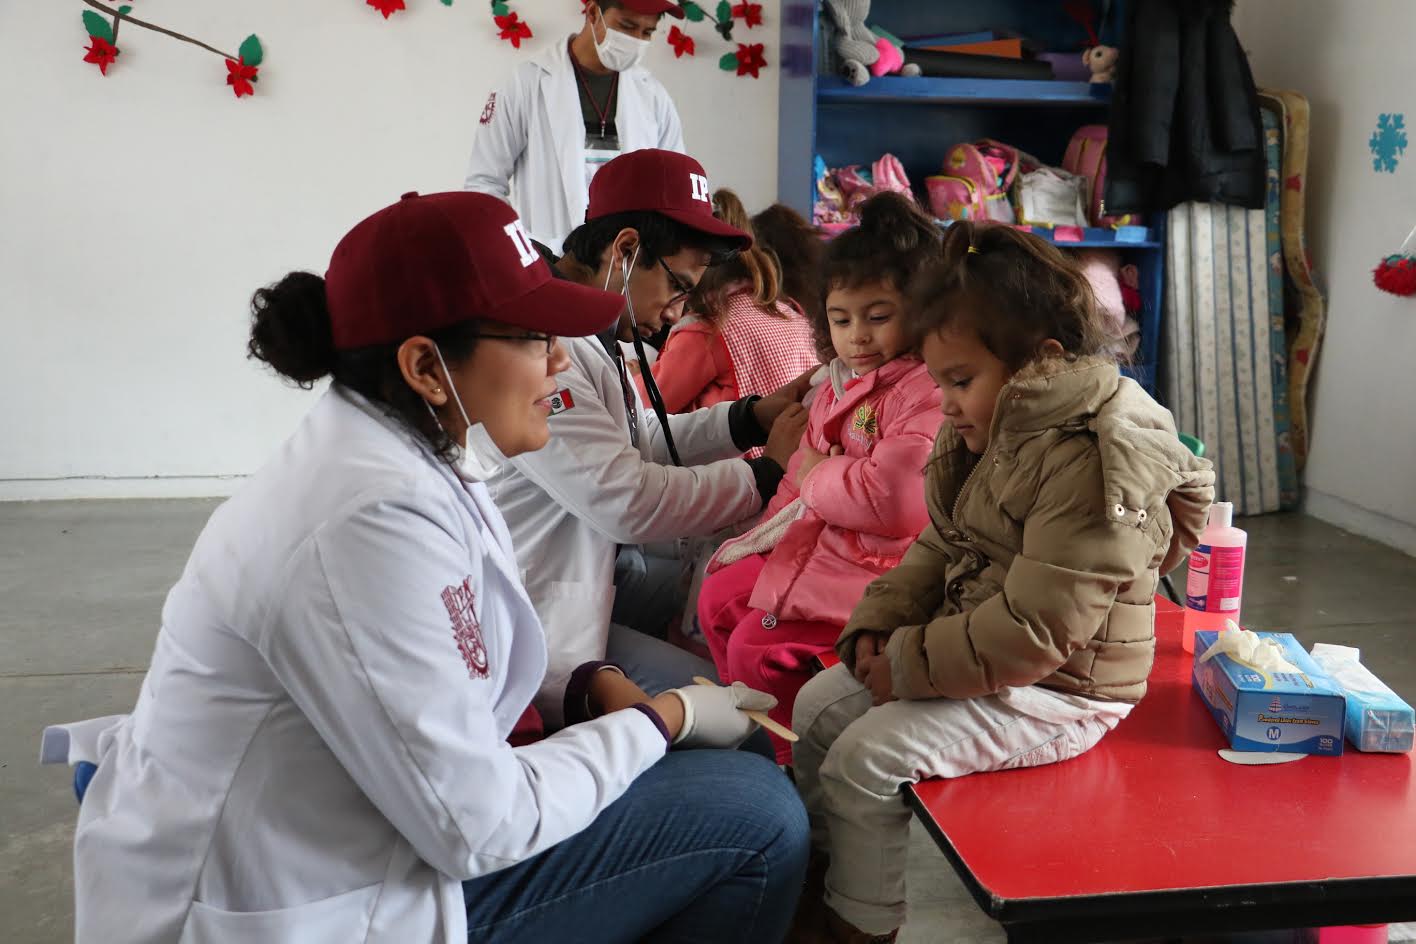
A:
{"x":811,"y":458}
{"x":786,"y":434}
{"x":877,"y":679}
{"x":770,"y":407}
{"x":868,"y":645}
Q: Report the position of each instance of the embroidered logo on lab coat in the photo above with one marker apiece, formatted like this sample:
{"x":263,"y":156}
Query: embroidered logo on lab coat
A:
{"x":466,"y":632}
{"x":489,"y":109}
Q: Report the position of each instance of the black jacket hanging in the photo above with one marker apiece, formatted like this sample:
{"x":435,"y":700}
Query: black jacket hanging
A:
{"x":1185,"y":121}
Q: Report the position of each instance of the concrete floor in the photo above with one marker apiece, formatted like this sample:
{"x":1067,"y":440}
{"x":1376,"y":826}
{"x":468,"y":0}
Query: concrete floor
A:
{"x":83,"y":585}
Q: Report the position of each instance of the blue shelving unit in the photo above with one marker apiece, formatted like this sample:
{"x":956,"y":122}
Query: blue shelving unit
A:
{"x":919,"y":119}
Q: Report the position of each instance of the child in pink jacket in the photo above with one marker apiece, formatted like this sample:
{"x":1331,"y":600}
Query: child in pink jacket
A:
{"x":852,"y":501}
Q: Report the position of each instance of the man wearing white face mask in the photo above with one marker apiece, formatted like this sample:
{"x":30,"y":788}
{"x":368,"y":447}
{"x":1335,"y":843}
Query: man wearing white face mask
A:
{"x":545,"y":133}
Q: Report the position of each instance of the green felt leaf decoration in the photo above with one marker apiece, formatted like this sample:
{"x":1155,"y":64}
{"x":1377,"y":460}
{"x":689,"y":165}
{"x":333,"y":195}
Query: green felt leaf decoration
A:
{"x":447,"y":3}
{"x":251,"y":52}
{"x":500,"y":9}
{"x":693,"y":11}
{"x":125,"y":10}
{"x":725,"y":11}
{"x":729,"y":62}
{"x":98,"y":26}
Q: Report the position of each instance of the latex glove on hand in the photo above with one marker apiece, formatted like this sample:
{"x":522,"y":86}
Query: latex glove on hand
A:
{"x":713,"y":717}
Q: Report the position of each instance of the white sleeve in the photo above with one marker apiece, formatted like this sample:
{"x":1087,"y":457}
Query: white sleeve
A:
{"x":591,"y":469}
{"x":670,"y":128}
{"x":701,"y":435}
{"x":364,"y":645}
{"x":499,"y":141}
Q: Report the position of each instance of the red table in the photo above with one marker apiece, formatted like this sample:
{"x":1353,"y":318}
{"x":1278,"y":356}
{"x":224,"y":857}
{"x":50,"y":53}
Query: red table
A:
{"x":1140,"y":836}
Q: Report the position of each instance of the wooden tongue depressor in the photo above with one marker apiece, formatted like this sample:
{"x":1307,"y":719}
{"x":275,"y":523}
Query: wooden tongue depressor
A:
{"x":783,"y":732}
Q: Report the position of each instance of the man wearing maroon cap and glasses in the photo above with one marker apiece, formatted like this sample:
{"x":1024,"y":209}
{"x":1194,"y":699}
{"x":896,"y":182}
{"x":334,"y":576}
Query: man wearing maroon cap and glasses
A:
{"x":619,"y":474}
{"x":545,"y":133}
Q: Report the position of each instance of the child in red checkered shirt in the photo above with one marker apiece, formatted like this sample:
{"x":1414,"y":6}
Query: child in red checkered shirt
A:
{"x":746,"y":338}
{"x":852,"y":501}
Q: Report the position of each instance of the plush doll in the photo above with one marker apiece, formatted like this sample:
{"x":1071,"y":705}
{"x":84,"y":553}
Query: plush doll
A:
{"x":863,"y":51}
{"x":1101,"y":60}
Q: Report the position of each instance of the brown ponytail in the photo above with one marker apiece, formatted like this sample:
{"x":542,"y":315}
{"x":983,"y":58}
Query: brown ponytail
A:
{"x":757,"y":265}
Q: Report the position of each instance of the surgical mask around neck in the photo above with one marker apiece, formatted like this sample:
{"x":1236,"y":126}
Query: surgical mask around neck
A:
{"x":480,"y":458}
{"x":619,"y":52}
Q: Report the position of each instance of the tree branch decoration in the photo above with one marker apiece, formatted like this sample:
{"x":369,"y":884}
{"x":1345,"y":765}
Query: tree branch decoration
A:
{"x":748,"y":59}
{"x":241,"y":69}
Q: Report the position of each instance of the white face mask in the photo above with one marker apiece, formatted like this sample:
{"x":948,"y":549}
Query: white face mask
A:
{"x":619,"y":52}
{"x":481,"y":458}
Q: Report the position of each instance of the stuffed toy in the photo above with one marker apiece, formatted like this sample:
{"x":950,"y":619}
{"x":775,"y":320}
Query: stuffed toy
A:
{"x":1101,"y":60}
{"x":863,"y":52}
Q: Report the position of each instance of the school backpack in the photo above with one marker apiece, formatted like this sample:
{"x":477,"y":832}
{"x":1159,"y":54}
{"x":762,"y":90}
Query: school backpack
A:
{"x":977,"y":181}
{"x":1086,"y":157}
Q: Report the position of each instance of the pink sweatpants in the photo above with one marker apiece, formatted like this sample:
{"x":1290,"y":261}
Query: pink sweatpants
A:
{"x":775,"y":657}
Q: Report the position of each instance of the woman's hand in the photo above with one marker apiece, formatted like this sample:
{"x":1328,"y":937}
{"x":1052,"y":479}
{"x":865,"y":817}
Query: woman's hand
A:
{"x":878,"y":680}
{"x":811,"y":458}
{"x":868,"y":645}
{"x":786,"y":435}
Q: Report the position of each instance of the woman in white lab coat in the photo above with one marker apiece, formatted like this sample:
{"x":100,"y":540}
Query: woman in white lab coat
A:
{"x":319,"y":751}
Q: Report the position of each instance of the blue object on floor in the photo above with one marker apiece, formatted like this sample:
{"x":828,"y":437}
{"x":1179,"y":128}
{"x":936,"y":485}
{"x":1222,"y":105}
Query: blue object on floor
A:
{"x":83,"y":773}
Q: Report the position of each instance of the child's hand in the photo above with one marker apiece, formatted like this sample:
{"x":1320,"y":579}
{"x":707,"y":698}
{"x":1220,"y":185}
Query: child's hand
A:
{"x":877,"y":679}
{"x":867,"y":646}
{"x":811,"y":458}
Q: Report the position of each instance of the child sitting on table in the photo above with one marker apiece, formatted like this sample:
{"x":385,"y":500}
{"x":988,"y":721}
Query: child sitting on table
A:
{"x":1019,"y":628}
{"x":853,"y":497}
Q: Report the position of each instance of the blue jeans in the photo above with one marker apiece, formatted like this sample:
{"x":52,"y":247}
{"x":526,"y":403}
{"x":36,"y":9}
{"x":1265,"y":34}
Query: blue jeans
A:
{"x":706,"y":846}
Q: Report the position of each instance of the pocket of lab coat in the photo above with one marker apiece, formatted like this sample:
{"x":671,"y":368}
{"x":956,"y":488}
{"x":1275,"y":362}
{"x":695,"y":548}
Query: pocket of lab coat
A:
{"x":335,"y":920}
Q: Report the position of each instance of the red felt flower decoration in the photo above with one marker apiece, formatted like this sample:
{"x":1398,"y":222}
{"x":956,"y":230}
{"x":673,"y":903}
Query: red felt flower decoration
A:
{"x":101,"y":53}
{"x":750,"y":59}
{"x":239,"y":76}
{"x":387,"y":7}
{"x":682,"y":43}
{"x":513,"y":30}
{"x":749,"y":13}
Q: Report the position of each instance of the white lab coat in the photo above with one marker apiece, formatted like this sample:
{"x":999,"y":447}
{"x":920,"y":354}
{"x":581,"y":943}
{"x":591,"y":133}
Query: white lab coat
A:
{"x":313,"y":759}
{"x":571,"y":505}
{"x":529,"y":148}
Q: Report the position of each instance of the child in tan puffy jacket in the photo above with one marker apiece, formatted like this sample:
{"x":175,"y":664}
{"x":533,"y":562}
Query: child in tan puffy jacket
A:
{"x":1019,"y":627}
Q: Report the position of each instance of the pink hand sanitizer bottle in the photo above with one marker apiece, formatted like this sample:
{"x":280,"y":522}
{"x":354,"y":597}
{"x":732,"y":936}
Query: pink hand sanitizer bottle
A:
{"x":1216,"y":575}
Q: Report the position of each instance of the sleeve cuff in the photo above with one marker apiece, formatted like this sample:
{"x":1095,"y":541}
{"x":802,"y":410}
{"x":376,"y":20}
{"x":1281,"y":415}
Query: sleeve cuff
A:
{"x":653,"y":716}
{"x":768,"y":475}
{"x":747,"y":433}
{"x":577,"y":691}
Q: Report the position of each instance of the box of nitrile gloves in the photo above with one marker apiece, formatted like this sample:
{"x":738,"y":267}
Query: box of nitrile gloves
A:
{"x":1299,"y":712}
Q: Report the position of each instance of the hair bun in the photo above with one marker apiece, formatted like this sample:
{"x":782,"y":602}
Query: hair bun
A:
{"x":894,"y":218}
{"x":291,"y":329}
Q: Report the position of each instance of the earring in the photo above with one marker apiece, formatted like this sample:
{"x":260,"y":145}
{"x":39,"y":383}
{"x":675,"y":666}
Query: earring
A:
{"x":437,"y":390}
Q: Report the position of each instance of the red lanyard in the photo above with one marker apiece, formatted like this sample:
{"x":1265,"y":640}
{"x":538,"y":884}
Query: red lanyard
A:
{"x":601,"y":113}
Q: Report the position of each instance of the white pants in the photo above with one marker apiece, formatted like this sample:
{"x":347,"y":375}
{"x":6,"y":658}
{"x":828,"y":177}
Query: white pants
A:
{"x":852,"y":759}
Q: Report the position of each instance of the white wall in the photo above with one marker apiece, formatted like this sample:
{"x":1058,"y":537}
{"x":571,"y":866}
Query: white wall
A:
{"x":139,"y":211}
{"x":1353,"y":62}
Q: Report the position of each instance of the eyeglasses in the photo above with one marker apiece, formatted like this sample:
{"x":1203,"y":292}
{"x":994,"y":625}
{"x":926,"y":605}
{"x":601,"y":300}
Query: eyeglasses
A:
{"x":548,"y":339}
{"x":683,"y":290}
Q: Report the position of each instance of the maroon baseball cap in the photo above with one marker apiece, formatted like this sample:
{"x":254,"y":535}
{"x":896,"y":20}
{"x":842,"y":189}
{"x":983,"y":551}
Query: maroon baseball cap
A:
{"x":652,"y":7}
{"x":663,"y":182}
{"x":427,"y":262}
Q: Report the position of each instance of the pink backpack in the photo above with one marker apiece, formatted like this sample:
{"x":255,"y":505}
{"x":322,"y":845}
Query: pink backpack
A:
{"x":976,"y":182}
{"x":1086,"y":157}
